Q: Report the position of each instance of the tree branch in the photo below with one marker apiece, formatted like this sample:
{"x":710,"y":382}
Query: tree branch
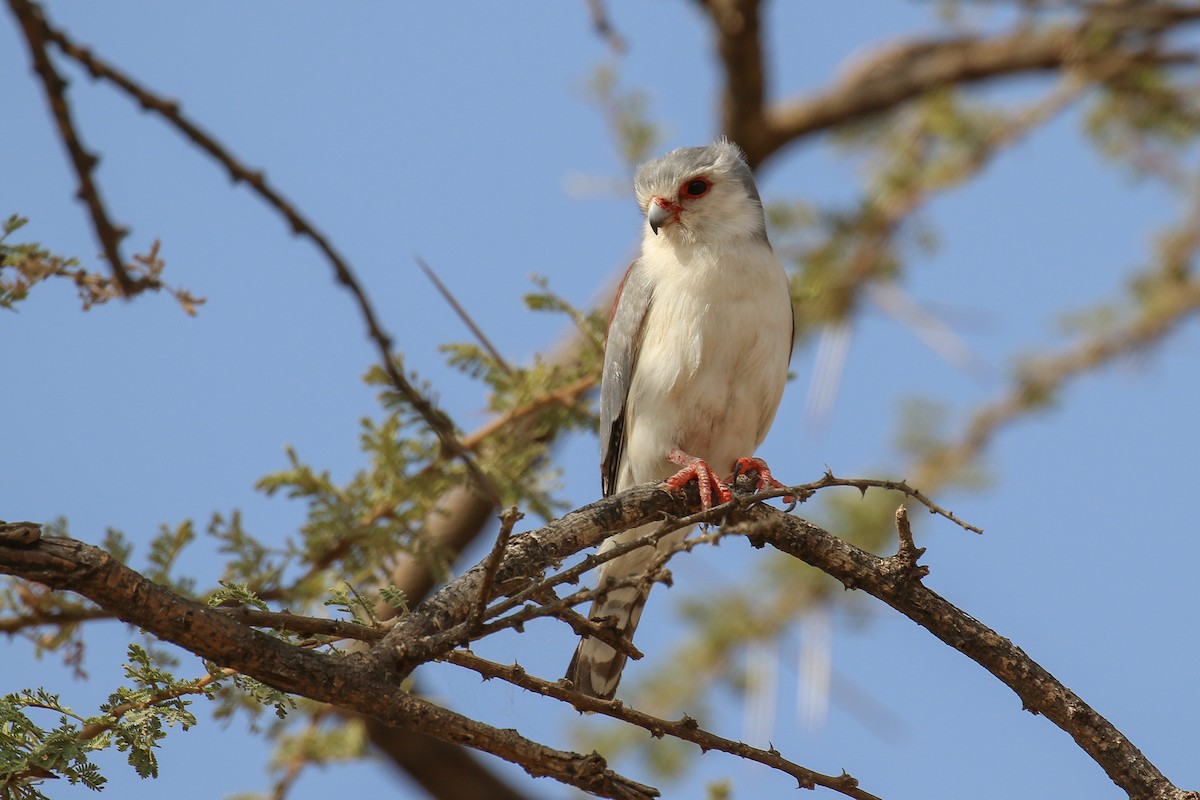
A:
{"x":1106,"y":41}
{"x":527,"y":555}
{"x":897,"y":582}
{"x":368,"y":683}
{"x":36,"y":31}
{"x":508,"y":521}
{"x":359,"y":682}
{"x":744,"y":93}
{"x":685,"y":729}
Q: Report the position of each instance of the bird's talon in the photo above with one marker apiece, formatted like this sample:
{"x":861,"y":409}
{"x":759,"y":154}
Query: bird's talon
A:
{"x":697,"y":468}
{"x":765,"y":479}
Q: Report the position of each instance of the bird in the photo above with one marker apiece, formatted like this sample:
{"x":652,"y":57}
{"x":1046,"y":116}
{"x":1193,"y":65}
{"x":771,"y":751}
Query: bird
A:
{"x":695,"y":361}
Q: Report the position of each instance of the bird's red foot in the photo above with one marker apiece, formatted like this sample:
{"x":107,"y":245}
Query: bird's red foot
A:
{"x":697,"y":468}
{"x":765,"y":479}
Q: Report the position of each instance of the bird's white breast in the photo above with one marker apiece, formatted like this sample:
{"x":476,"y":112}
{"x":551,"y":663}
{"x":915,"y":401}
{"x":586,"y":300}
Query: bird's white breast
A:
{"x":713,"y":359}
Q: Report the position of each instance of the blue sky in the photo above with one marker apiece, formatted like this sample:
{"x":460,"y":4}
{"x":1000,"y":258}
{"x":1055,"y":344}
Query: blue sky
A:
{"x":455,"y":132}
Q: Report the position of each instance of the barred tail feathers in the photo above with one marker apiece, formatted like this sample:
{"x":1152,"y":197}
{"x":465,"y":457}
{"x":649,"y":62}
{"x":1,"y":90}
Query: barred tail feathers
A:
{"x":595,"y":669}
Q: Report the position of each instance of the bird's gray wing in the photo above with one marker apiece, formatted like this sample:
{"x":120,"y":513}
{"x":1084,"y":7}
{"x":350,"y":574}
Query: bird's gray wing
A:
{"x":620,"y":355}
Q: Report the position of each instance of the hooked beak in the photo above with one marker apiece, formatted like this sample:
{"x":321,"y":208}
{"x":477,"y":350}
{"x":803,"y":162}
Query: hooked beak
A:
{"x":661,"y":212}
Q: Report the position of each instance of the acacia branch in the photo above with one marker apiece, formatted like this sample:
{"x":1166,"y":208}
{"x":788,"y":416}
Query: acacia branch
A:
{"x":686,"y":729}
{"x":744,"y":92}
{"x":1107,"y":41}
{"x":115,"y":713}
{"x":897,"y":581}
{"x":36,"y":32}
{"x":368,"y":683}
{"x":298,"y":623}
{"x":359,"y":682}
{"x":527,"y":555}
{"x":57,"y":619}
{"x":508,"y":521}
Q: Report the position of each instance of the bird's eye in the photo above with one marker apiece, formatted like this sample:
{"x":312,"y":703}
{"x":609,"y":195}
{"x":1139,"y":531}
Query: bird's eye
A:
{"x":696,"y":187}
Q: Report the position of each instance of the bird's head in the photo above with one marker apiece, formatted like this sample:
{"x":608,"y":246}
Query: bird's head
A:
{"x":701,"y":195}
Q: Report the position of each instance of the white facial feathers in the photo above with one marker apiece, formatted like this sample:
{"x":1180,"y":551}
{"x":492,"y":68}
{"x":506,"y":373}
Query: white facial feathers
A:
{"x":709,"y":192}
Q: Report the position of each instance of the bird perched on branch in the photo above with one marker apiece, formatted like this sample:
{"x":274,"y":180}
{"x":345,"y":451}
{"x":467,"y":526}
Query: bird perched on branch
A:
{"x":694,"y":365}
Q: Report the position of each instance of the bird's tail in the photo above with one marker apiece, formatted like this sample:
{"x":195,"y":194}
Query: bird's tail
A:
{"x":595,"y":669}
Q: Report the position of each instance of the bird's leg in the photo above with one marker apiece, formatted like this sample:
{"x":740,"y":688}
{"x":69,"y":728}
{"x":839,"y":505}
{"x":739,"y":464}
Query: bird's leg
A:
{"x":697,"y":468}
{"x":765,"y":478}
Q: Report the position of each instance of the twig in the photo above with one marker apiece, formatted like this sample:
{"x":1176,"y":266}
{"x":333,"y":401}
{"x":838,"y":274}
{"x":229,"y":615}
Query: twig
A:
{"x":686,"y":729}
{"x":463,"y":315}
{"x":297,"y":623}
{"x":437,"y":420}
{"x":806,"y":490}
{"x":908,"y":553}
{"x":550,"y":604}
{"x":367,"y":608}
{"x":508,"y":521}
{"x":113,"y":715}
{"x":564,"y":395}
{"x":435,"y":645}
{"x":336,"y":630}
{"x":802,"y":492}
{"x":36,"y":30}
{"x":298,"y":758}
{"x":590,"y":562}
{"x":604,"y":28}
{"x":61,"y":618}
{"x":585,"y":628}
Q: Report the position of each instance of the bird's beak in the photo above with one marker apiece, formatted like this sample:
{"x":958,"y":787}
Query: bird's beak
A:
{"x":661,"y":212}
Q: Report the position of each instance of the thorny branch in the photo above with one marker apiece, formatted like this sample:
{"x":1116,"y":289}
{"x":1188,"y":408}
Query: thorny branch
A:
{"x":368,"y":683}
{"x":686,"y":729}
{"x":508,"y":521}
{"x":359,"y":682}
{"x":331,"y":629}
{"x":37,"y":31}
{"x":896,"y":581}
